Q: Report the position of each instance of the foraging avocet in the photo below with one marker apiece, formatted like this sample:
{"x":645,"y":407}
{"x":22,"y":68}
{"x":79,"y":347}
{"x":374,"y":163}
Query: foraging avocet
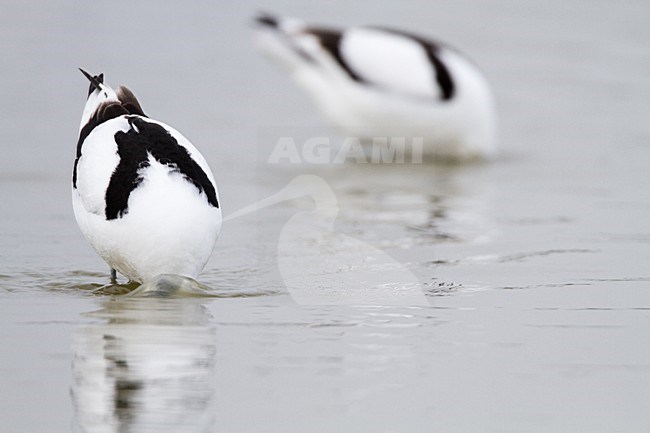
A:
{"x":143,"y":195}
{"x":380,"y":82}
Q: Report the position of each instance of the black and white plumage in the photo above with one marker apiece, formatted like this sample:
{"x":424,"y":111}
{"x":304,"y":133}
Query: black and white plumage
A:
{"x":379,"y":82}
{"x":142,"y":194}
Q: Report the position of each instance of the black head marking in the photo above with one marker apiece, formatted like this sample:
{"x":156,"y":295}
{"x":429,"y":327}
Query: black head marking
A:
{"x":134,"y":147}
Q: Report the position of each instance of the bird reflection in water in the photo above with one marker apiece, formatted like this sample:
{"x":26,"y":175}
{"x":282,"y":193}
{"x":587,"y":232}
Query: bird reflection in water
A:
{"x":145,"y":365}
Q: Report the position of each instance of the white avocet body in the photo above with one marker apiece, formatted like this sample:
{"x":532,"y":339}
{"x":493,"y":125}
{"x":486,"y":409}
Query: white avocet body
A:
{"x":379,"y":82}
{"x":142,"y":194}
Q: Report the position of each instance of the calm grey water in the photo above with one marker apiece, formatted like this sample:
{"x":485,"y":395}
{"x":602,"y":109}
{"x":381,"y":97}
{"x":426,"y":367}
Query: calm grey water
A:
{"x":517,"y":293}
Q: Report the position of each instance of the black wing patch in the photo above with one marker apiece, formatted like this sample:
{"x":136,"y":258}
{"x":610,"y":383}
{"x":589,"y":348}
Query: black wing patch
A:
{"x":106,"y":111}
{"x":443,"y":76}
{"x":129,"y":101}
{"x":127,"y":104}
{"x":331,"y":41}
{"x":133,"y":148}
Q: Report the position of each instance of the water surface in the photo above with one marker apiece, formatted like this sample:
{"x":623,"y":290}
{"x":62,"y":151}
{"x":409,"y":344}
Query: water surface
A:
{"x":516,"y":293}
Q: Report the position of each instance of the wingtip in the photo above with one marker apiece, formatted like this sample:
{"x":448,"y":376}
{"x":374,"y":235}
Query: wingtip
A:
{"x":95,"y":82}
{"x":86,"y":74}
